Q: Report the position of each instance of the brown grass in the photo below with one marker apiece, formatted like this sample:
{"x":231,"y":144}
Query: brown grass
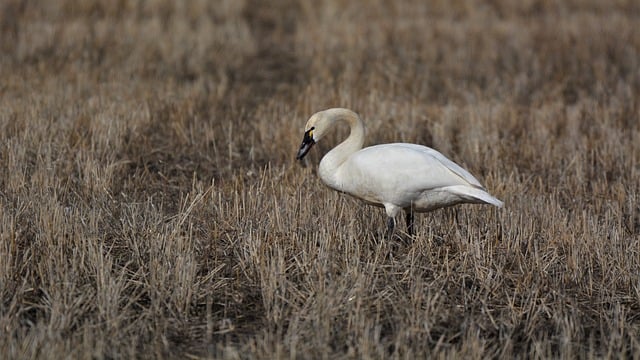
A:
{"x":151,"y":206}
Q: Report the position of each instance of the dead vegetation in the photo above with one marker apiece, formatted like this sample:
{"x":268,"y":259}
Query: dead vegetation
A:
{"x":150,"y":205}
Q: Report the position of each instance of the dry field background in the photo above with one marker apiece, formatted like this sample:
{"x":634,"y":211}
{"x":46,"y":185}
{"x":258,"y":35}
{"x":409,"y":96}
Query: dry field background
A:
{"x":151,"y":206}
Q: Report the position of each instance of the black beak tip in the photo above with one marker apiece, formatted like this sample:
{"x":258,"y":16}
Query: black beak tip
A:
{"x":304,"y":149}
{"x":307,"y":143}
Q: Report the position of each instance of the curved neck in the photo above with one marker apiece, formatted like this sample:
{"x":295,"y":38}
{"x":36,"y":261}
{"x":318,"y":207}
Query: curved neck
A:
{"x":332,"y":161}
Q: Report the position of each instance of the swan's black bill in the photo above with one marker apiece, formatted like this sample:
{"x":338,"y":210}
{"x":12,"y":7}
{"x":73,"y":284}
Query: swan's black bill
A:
{"x":307,"y":143}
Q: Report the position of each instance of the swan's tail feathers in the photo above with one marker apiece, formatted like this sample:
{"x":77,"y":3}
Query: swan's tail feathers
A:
{"x":475,"y":194}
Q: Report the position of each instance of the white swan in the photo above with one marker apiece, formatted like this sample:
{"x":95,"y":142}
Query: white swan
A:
{"x":397,"y":176}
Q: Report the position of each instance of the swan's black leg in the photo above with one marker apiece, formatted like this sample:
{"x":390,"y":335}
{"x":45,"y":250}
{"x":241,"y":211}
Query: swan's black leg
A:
{"x":410,"y":222}
{"x":391,"y":224}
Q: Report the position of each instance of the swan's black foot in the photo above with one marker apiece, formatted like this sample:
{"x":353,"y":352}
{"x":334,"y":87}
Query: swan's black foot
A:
{"x":391,"y":224}
{"x":410,"y":223}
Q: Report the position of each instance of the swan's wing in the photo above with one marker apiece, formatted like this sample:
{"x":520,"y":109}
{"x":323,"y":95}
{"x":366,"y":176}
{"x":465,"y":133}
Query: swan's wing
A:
{"x":409,"y":166}
{"x":453,"y":167}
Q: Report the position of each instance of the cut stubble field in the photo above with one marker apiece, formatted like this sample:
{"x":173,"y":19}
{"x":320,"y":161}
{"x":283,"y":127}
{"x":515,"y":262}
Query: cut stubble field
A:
{"x":151,"y":205}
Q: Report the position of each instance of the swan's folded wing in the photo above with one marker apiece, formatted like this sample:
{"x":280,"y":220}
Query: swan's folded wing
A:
{"x":416,"y":165}
{"x":450,"y":165}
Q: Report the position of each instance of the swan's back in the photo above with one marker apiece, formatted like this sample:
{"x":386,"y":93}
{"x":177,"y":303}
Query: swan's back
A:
{"x":402,"y":174}
{"x":431,"y":154}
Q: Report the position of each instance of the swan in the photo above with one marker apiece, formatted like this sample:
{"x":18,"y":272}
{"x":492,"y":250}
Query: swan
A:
{"x":396,"y":176}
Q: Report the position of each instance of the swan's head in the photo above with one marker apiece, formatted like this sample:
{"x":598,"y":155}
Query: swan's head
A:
{"x":315,"y":129}
{"x":319,"y":123}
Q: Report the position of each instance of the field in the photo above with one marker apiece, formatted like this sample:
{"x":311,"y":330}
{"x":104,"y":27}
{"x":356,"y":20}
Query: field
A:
{"x":151,"y":205}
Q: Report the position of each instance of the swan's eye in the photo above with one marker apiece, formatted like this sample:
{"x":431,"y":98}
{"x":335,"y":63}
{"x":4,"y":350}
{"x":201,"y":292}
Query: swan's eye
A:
{"x":309,"y":133}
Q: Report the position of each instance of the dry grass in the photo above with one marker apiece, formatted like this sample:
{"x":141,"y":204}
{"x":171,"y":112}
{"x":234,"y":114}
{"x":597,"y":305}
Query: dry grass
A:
{"x":151,"y":206}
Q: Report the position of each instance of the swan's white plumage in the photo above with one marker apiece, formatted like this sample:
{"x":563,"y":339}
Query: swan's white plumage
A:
{"x":396,"y":176}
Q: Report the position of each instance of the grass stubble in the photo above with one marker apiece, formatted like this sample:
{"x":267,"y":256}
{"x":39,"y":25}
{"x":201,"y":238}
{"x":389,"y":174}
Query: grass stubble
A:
{"x":151,"y":207}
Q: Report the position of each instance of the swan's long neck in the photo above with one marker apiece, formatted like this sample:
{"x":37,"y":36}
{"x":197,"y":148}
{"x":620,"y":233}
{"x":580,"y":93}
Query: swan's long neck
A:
{"x":331,"y":162}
